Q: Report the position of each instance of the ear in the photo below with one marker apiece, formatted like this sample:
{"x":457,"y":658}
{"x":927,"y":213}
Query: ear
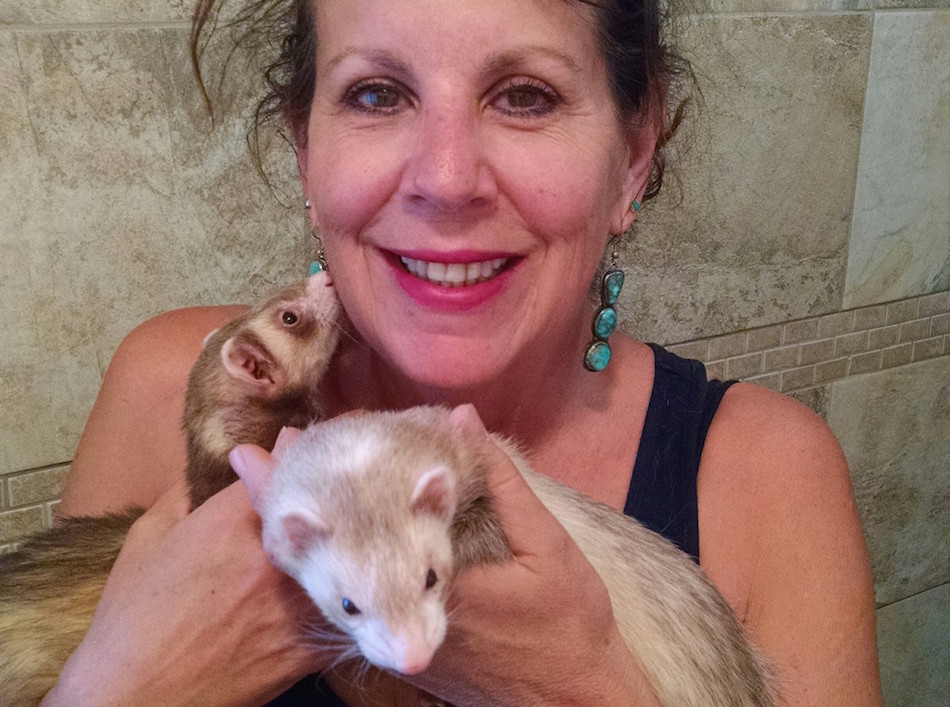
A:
{"x":204,"y":342}
{"x":254,"y":466}
{"x":299,"y":531}
{"x":435,"y":494}
{"x":641,"y":145}
{"x":252,"y":365}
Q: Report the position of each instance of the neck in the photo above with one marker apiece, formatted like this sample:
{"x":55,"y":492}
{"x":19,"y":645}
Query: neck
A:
{"x":526,"y":401}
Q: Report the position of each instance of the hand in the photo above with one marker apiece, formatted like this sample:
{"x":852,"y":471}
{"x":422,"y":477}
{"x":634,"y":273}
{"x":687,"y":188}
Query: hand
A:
{"x":539,"y":629}
{"x":193,"y":613}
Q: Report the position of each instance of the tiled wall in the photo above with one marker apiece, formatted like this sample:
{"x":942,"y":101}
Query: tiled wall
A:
{"x":802,"y":242}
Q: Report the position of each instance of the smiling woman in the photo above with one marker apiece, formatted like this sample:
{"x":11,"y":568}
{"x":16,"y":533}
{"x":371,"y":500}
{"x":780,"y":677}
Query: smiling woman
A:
{"x":466,"y":165}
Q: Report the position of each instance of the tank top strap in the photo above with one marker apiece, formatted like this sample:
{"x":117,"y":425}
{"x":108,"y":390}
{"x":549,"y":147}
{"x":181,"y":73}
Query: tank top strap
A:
{"x":662,"y":492}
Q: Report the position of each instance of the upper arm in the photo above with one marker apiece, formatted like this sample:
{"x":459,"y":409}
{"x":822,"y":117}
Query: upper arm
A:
{"x":781,"y":537}
{"x":132,"y":449}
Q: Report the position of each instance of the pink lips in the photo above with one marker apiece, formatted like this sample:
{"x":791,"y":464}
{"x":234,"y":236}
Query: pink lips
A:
{"x":449,"y":299}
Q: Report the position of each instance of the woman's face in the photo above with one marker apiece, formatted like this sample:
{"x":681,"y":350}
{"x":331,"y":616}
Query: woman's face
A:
{"x":465,"y":167}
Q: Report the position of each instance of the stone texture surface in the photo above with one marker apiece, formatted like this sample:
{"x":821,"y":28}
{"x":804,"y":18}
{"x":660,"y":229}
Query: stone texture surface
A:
{"x":58,"y":12}
{"x":893,"y":428}
{"x":752,"y":242}
{"x":913,"y":636}
{"x":900,"y":236}
{"x":117,"y":202}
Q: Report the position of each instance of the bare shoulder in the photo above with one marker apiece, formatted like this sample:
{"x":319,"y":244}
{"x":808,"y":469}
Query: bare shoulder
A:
{"x":132,"y":449}
{"x":780,"y":536}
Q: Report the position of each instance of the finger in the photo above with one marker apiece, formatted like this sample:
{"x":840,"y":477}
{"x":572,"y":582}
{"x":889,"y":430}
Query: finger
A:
{"x":254,"y":466}
{"x":169,"y":509}
{"x":528,"y":523}
{"x":285,"y":438}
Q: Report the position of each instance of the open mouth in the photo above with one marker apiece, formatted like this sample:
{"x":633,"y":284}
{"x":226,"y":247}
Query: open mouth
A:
{"x":455,"y":274}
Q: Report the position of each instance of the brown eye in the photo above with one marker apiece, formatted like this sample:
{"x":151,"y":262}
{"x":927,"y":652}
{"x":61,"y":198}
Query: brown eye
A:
{"x":349,"y":607}
{"x":431,"y":579}
{"x":289,"y":318}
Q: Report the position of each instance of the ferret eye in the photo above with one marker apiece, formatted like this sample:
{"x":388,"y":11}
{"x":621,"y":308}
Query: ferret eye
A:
{"x":431,"y":579}
{"x":289,"y":318}
{"x":349,"y":607}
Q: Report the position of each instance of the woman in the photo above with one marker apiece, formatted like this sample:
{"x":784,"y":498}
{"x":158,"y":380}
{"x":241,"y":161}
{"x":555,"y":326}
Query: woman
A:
{"x":510,"y":138}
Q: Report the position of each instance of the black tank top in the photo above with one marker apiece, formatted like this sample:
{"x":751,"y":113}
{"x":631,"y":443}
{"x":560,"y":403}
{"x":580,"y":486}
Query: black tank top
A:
{"x":662,"y":492}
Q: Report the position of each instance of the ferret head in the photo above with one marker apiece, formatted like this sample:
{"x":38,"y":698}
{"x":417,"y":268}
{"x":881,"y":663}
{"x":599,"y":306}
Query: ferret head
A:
{"x":286,"y":342}
{"x":366,"y":532}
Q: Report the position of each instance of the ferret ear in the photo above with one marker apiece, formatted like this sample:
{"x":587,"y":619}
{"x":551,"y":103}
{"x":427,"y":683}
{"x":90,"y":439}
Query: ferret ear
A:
{"x":250,"y":363}
{"x":204,"y":342}
{"x":435,"y":494}
{"x":300,"y":531}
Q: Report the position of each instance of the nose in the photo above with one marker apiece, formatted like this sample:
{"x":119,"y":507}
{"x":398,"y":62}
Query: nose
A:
{"x":448,"y":170}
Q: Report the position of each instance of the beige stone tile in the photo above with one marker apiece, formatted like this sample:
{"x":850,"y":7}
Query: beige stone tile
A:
{"x":885,"y":336}
{"x":898,"y":4}
{"x":870,"y":317}
{"x":796,"y":332}
{"x":816,"y":351}
{"x":940,"y":324}
{"x":59,"y":12}
{"x":902,"y":311}
{"x":115,"y":204}
{"x":899,"y":244}
{"x":851,"y":343}
{"x":831,"y":370}
{"x":37,"y":486}
{"x":18,"y":524}
{"x":785,"y":357}
{"x":897,"y":355}
{"x":865,"y":363}
{"x":815,"y":398}
{"x":764,"y":338}
{"x":724,"y":346}
{"x":835,"y":324}
{"x":893,"y":428}
{"x":913,"y":636}
{"x":914,"y":330}
{"x":937,"y":303}
{"x":928,"y":348}
{"x":698,"y":350}
{"x":757,"y":232}
{"x":788,"y":5}
{"x":772,"y":381}
{"x":798,"y":378}
{"x":743,"y":367}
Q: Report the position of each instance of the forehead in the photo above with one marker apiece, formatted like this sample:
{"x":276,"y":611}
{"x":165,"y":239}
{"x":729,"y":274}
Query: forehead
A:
{"x":445,"y":32}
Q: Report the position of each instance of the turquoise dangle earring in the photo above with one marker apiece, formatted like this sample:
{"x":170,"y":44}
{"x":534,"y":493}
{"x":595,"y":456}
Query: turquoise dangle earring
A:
{"x":319,"y":262}
{"x":597,"y":355}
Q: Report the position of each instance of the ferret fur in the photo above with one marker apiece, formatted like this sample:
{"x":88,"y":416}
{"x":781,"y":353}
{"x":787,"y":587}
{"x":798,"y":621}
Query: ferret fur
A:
{"x":253,"y":376}
{"x":363,"y":506}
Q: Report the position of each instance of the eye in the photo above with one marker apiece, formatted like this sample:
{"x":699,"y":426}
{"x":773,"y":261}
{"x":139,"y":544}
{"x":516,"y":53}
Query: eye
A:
{"x":431,"y":579}
{"x":374,"y":96}
{"x":525,"y":98}
{"x":349,"y":607}
{"x":289,"y":318}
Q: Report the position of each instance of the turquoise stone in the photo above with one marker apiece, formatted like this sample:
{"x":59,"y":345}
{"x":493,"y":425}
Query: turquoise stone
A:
{"x":315,"y":267}
{"x":597,"y":356}
{"x":613,"y":282}
{"x":605,"y":321}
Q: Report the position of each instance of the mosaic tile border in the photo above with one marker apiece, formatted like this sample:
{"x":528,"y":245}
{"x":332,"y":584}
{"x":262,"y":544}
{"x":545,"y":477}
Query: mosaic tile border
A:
{"x":811,"y":352}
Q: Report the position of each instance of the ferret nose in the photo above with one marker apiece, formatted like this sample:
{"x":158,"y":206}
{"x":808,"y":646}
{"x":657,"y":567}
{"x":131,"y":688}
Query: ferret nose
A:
{"x":415,"y":660}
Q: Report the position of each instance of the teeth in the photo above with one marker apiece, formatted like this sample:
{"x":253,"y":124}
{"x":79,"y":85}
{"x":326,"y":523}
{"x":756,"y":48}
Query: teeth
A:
{"x":454,"y":274}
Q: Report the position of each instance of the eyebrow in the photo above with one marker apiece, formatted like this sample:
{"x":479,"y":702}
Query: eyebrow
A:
{"x":506,"y":61}
{"x":379,"y":57}
{"x":517,"y":58}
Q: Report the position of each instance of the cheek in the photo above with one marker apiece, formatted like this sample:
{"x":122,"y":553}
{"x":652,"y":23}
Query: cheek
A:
{"x":351,"y":178}
{"x":565,"y":191}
